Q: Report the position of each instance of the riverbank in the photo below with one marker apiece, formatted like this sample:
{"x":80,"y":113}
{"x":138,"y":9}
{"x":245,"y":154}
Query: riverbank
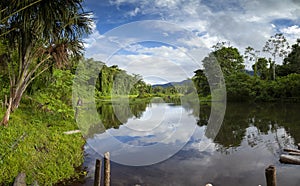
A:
{"x":35,"y":143}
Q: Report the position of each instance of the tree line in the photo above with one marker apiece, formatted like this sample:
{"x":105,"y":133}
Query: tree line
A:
{"x":268,"y":82}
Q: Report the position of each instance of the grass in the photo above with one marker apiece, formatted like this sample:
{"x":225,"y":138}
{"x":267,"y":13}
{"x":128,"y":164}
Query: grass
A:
{"x":34,"y":143}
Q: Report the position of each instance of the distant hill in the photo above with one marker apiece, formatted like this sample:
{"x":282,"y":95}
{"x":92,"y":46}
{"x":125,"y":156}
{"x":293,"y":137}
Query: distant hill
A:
{"x":181,"y":83}
{"x":250,"y":72}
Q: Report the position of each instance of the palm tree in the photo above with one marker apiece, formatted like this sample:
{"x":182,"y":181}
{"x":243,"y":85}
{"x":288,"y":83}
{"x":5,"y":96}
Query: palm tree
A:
{"x":38,"y":34}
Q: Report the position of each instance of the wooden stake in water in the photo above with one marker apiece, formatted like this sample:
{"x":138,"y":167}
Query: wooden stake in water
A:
{"x":270,"y":173}
{"x":97,"y":181}
{"x":106,"y":169}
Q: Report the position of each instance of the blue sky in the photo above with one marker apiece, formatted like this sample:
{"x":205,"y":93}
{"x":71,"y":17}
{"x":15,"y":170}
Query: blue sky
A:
{"x":170,"y":45}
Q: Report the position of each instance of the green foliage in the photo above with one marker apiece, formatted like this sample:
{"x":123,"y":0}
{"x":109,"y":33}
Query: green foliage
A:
{"x":262,"y":68}
{"x":113,"y":81}
{"x":291,"y":63}
{"x":45,"y":154}
{"x":4,"y":87}
{"x":57,"y":96}
{"x":33,"y":47}
{"x":243,"y":87}
{"x":201,"y":83}
{"x":228,"y":58}
{"x":237,"y":86}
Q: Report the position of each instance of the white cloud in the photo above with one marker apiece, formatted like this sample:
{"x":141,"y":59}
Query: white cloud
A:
{"x":157,"y":64}
{"x":293,"y":30}
{"x":167,"y":3}
{"x":134,"y":12}
{"x":92,"y":39}
{"x":243,"y":23}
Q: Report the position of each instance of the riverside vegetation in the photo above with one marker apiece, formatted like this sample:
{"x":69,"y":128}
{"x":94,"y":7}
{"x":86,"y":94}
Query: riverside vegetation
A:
{"x":39,"y":40}
{"x":38,"y":61}
{"x":34,"y":142}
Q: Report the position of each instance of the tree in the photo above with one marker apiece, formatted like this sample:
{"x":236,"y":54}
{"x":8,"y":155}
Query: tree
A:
{"x":261,"y":67}
{"x":291,"y":63}
{"x":38,"y":34}
{"x":219,"y":45}
{"x":201,"y":83}
{"x":228,"y":58}
{"x":276,"y":46}
{"x":251,"y":55}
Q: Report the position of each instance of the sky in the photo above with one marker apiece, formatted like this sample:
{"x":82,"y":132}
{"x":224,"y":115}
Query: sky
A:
{"x":166,"y":40}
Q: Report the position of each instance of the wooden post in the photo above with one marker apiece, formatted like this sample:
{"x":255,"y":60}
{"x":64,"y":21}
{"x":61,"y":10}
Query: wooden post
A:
{"x":270,"y":173}
{"x":106,"y":169}
{"x":97,"y":181}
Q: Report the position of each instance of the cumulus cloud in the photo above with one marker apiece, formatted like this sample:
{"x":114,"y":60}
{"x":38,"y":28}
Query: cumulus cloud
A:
{"x":243,"y":23}
{"x":293,"y":30}
{"x":156,"y":64}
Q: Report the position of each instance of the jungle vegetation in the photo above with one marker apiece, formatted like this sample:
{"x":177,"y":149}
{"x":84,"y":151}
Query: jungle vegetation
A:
{"x":270,"y":82}
{"x":38,"y":61}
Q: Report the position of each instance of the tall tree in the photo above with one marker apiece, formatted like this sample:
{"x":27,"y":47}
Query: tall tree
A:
{"x":261,"y":67}
{"x":276,"y":46}
{"x":38,"y":34}
{"x":251,"y":55}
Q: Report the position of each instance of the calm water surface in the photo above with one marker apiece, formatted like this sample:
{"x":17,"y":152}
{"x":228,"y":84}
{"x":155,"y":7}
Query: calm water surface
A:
{"x":251,"y":138}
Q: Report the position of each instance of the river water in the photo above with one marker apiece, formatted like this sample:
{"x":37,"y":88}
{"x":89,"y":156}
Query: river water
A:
{"x":159,"y":143}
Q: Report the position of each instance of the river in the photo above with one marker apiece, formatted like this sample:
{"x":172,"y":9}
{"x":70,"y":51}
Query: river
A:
{"x":166,"y":143}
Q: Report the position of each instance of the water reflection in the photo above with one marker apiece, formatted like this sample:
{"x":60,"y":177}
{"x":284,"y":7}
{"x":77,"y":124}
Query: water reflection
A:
{"x":161,"y":131}
{"x":266,"y":118}
{"x":250,"y":138}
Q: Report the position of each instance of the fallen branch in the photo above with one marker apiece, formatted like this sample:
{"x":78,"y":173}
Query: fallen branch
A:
{"x":72,"y":132}
{"x":290,"y":159}
{"x":291,"y":150}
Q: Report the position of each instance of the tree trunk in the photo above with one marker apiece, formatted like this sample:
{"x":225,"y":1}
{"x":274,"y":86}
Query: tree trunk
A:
{"x":7,"y":114}
{"x":14,"y":102}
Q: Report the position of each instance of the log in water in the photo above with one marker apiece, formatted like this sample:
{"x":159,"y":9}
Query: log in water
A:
{"x":284,"y":158}
{"x":294,"y":153}
{"x":291,"y":150}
